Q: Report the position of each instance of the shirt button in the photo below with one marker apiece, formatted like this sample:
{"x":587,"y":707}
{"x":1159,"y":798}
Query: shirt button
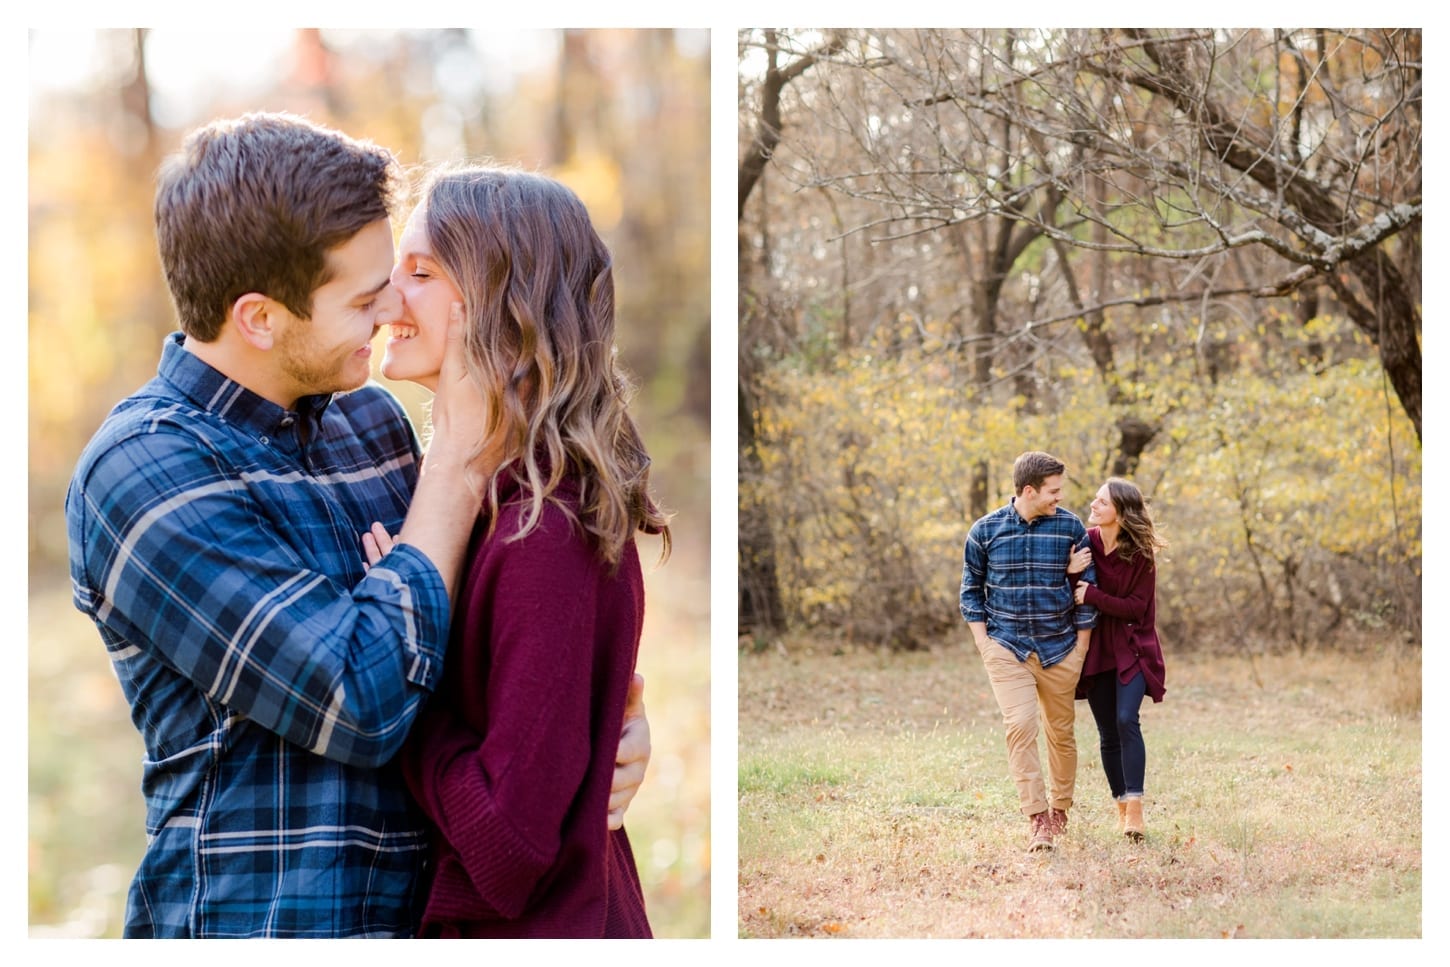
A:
{"x":265,"y":440}
{"x":288,"y":421}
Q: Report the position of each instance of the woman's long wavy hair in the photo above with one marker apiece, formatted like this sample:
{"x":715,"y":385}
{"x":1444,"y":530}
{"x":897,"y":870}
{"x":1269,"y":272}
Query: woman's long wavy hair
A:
{"x":538,"y":295}
{"x":1136,"y":533}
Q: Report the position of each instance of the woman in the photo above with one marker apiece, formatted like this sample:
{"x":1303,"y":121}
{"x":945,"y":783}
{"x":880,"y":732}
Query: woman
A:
{"x":1124,"y":660}
{"x":513,"y":757}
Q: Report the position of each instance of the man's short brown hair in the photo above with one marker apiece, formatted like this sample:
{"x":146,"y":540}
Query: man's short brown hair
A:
{"x":1032,"y":468}
{"x":253,"y":204}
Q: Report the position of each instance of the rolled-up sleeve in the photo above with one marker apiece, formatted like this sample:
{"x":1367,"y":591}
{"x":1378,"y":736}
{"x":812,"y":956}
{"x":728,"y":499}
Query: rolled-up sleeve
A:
{"x":1084,"y":616}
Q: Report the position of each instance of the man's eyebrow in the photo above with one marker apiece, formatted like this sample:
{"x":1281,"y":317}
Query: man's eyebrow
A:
{"x":370,"y":293}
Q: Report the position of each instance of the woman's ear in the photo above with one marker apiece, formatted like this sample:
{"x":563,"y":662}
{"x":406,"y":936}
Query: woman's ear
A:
{"x":254,"y":316}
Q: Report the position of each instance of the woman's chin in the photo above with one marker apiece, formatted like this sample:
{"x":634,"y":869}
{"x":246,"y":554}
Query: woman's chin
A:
{"x":398,"y":372}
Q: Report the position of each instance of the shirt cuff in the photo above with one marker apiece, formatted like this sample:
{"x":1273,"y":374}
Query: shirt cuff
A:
{"x":413,"y":587}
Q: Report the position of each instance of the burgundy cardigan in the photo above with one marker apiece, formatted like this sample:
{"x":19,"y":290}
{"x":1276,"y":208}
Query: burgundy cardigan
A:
{"x":513,"y":757}
{"x":1126,"y":637}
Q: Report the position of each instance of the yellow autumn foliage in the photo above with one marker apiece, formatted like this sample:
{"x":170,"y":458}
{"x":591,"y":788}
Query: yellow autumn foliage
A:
{"x":1290,"y":496}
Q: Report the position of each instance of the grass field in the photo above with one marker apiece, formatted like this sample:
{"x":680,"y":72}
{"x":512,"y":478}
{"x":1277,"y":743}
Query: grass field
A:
{"x":86,"y":830}
{"x":1283,"y":801}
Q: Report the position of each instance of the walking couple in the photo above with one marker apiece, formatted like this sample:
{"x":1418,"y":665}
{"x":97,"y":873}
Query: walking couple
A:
{"x":1058,"y":612}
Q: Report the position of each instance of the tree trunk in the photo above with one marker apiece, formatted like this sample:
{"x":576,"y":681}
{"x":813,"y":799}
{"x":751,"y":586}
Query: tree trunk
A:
{"x":760,"y":606}
{"x":760,"y":610}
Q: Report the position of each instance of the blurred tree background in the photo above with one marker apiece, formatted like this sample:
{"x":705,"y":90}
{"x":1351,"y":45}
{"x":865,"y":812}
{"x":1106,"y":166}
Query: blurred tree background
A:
{"x":1191,"y":257}
{"x":622,"y":116}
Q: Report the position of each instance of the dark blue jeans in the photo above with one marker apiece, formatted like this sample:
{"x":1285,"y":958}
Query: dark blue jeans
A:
{"x":1120,"y":738}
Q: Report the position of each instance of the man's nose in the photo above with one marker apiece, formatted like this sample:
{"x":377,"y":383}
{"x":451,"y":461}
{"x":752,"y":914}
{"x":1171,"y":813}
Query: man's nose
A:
{"x":390,"y":305}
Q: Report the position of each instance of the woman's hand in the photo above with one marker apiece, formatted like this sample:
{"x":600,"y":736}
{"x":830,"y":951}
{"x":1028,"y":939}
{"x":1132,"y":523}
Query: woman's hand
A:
{"x":376,"y":542}
{"x":1080,"y":591}
{"x":1078,"y":560}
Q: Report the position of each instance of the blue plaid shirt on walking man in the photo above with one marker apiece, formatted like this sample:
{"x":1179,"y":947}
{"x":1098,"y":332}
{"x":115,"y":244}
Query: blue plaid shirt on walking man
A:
{"x":215,"y":540}
{"x":1014,"y":579}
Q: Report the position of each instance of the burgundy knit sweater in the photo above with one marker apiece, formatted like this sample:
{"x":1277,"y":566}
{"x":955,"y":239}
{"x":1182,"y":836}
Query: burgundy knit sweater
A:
{"x":513,"y":758}
{"x":1126,"y":637}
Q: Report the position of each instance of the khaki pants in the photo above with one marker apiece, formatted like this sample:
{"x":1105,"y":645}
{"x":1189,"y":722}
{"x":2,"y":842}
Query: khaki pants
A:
{"x":1021,"y":688}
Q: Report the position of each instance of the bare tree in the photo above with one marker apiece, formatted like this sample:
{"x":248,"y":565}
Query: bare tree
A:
{"x":1185,"y":147}
{"x":760,"y":606}
{"x":988,"y":213}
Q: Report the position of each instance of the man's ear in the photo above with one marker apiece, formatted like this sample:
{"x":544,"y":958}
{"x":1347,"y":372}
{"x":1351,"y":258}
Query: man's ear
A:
{"x":255,"y":318}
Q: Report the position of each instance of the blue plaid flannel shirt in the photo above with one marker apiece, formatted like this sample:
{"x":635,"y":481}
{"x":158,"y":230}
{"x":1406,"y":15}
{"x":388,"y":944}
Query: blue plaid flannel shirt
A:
{"x":1014,"y":579}
{"x":270,"y":675}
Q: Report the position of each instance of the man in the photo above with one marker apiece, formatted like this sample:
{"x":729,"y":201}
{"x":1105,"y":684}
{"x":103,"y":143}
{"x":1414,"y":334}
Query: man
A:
{"x":214,"y":524}
{"x":1032,"y":636}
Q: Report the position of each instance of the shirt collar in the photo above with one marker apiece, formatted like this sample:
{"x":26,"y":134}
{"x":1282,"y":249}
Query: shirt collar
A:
{"x":214,"y":393}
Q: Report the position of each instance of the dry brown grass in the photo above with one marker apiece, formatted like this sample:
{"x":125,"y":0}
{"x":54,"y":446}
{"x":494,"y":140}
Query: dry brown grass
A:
{"x":1284,"y":800}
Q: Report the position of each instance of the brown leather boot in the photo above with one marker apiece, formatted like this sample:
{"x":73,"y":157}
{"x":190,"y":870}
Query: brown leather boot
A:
{"x":1042,"y":831}
{"x":1058,"y":818}
{"x":1122,"y":814}
{"x":1133,"y":819}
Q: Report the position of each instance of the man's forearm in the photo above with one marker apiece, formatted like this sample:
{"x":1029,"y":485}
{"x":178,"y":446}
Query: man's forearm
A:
{"x":1084,"y":636}
{"x":979,"y":630}
{"x":440,"y":518}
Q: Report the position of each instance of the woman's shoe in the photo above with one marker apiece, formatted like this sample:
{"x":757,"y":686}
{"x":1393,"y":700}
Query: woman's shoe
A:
{"x":1133,"y":818}
{"x":1122,"y":815}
